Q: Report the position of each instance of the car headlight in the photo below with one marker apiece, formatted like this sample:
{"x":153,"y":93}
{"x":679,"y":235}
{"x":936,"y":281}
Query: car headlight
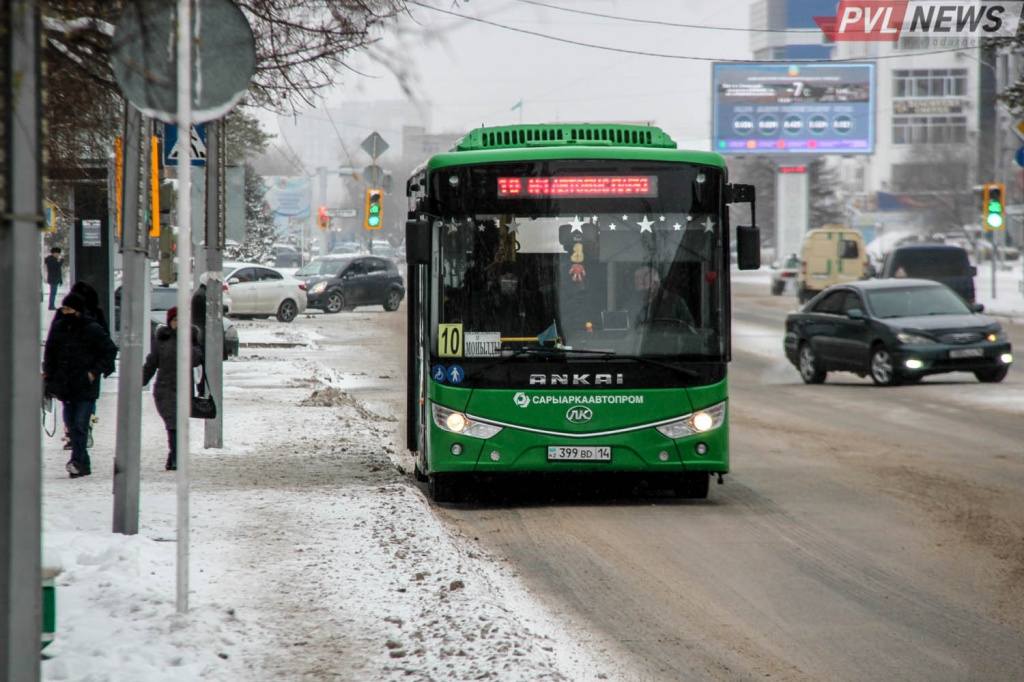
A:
{"x":996,"y":336}
{"x":318,"y":288}
{"x":454,"y":421}
{"x":701,"y":421}
{"x":913,"y":339}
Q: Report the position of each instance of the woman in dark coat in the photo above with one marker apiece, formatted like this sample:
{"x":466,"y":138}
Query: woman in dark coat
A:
{"x":163,"y":362}
{"x":78,"y":352}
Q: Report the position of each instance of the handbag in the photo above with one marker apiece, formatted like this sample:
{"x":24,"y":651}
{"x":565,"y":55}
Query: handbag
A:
{"x":203,"y":406}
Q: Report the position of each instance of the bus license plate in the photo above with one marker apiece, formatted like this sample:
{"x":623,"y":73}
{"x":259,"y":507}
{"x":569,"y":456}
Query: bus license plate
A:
{"x":966,"y":353}
{"x":600,"y":453}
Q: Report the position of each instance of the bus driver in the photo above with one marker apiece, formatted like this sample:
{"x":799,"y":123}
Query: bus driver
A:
{"x":649,"y":302}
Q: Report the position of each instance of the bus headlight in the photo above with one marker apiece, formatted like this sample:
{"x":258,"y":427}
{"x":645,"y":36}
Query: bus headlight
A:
{"x":453,"y":421}
{"x":701,"y":421}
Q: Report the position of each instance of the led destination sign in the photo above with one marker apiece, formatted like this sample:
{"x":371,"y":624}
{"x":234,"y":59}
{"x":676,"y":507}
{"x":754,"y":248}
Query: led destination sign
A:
{"x":579,"y":186}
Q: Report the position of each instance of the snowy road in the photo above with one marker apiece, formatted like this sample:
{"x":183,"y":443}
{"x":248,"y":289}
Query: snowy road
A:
{"x":865,"y":534}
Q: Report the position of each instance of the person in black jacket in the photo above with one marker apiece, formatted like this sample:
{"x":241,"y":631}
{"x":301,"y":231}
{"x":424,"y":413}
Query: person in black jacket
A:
{"x":163,"y":362}
{"x":92,"y":302}
{"x":54,"y":273}
{"x":95,"y":311}
{"x":78,"y":352}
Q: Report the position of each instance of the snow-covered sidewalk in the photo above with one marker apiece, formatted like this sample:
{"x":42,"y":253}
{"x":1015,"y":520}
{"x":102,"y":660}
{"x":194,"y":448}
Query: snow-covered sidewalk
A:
{"x":313,"y":557}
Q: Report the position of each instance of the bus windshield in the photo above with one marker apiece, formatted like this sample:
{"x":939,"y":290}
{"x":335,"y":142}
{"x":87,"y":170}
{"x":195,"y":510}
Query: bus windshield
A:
{"x":620,"y":283}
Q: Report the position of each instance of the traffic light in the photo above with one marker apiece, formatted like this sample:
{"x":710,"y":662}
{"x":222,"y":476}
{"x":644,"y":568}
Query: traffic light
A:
{"x":993,"y":206}
{"x":323,"y":220}
{"x":374,"y":216}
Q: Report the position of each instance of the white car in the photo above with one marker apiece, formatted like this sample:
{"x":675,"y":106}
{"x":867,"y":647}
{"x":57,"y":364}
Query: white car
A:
{"x":259,"y":291}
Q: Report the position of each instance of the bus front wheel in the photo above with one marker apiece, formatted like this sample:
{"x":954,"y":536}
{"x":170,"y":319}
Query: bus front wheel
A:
{"x":445,"y":487}
{"x":693,"y":485}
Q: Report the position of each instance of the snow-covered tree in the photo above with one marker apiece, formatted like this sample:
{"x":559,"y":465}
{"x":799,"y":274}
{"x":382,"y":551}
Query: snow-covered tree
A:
{"x":826,"y":205}
{"x":302,"y":48}
{"x":260,"y":232}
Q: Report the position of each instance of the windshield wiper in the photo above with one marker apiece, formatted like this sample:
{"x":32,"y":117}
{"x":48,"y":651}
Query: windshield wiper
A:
{"x":562,"y":352}
{"x":658,"y":363}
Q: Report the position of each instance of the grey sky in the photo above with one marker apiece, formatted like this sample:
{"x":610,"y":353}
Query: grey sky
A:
{"x":467,"y":74}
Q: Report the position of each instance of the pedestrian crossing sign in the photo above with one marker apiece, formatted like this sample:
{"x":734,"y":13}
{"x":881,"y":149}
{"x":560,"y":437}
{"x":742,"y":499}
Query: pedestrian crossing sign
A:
{"x":173,"y":145}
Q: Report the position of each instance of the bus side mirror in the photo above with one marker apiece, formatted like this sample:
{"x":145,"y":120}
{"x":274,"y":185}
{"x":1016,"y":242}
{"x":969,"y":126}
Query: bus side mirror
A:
{"x":748,"y":247}
{"x":417,"y":242}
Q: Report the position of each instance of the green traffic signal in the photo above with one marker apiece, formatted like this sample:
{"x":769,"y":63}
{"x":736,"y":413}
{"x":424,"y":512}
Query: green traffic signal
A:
{"x":994,"y":220}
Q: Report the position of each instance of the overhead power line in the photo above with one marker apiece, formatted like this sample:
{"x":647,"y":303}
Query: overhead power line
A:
{"x":665,"y":55}
{"x":658,"y":22}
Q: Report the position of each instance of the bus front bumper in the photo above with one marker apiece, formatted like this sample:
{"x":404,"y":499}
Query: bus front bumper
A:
{"x":643,"y":450}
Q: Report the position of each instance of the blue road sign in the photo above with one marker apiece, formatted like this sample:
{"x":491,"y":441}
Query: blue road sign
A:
{"x":1019,"y":157}
{"x":455,"y":375}
{"x":439,"y":373}
{"x":172,"y":150}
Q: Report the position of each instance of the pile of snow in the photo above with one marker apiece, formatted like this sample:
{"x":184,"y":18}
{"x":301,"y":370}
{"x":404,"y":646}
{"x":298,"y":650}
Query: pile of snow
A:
{"x":312,"y":557}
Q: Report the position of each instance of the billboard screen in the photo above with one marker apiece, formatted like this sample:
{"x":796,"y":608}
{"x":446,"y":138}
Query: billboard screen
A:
{"x":793,"y":108}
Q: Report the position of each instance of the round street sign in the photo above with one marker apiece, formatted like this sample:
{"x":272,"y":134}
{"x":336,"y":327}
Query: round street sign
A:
{"x":373,"y":175}
{"x":144,"y":58}
{"x":1019,"y":157}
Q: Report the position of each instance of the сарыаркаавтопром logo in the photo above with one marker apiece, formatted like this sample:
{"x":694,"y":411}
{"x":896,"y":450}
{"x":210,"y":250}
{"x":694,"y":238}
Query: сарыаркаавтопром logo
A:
{"x":890,"y":20}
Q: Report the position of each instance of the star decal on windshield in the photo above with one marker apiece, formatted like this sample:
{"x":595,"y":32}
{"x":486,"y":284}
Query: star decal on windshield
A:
{"x":645,"y":224}
{"x":709,"y":224}
{"x":577,"y":224}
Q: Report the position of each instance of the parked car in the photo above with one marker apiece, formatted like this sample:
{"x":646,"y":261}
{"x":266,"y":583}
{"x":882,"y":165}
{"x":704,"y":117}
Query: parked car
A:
{"x":382,"y":247}
{"x":347,"y":247}
{"x":286,"y":256}
{"x":259,"y":291}
{"x":896,"y":331}
{"x":784,"y":272}
{"x":830,"y":255}
{"x":337,"y":283}
{"x":162,"y":299}
{"x":943,"y":263}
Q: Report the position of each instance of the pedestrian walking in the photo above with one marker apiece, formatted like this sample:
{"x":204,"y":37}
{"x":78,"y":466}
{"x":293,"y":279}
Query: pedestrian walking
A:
{"x":95,"y":312}
{"x":54,"y":274}
{"x":162,"y":361}
{"x":78,"y":353}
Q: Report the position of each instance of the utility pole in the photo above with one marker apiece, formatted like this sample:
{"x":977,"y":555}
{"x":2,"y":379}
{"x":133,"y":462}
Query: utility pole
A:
{"x":183,"y":381}
{"x":216,"y":156}
{"x":134,"y":240}
{"x":20,"y":390}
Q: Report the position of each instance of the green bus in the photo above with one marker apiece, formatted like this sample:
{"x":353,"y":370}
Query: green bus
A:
{"x":568,"y":306}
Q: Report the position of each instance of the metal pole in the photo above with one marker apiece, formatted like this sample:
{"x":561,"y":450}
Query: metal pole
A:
{"x":184,"y":349}
{"x":134,"y":233}
{"x":322,"y":234}
{"x":992,"y":243}
{"x":216,"y":136}
{"x":20,"y":391}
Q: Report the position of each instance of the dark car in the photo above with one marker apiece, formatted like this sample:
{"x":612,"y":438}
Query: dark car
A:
{"x":286,"y":256}
{"x":943,"y":263}
{"x":336,"y":283}
{"x":896,"y":331}
{"x":163,"y":299}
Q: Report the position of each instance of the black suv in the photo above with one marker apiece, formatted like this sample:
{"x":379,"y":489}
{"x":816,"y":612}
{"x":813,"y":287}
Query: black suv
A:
{"x":336,"y":283}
